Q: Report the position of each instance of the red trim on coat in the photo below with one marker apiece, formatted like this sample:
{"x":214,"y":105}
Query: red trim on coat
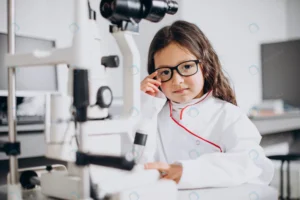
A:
{"x":181,"y":112}
{"x":186,"y":129}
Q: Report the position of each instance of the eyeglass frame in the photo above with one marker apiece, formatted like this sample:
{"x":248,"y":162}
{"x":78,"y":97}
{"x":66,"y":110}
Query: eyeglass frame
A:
{"x":176,"y":68}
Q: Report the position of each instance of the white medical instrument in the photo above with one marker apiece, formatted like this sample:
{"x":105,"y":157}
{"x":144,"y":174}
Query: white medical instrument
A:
{"x":73,"y":119}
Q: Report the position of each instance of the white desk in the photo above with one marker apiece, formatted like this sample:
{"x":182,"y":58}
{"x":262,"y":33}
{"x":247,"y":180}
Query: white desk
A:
{"x":277,"y":124}
{"x":243,"y":192}
{"x":34,"y":133}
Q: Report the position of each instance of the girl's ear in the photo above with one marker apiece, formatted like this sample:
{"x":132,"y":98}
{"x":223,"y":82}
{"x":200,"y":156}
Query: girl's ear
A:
{"x":201,"y":65}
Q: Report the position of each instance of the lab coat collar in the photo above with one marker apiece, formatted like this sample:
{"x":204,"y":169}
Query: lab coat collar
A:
{"x":179,"y":106}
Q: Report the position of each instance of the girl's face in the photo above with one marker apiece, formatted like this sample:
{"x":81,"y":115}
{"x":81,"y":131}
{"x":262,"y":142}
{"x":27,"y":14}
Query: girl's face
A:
{"x":179,"y":89}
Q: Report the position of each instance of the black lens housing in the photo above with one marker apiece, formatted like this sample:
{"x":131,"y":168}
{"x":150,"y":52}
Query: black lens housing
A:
{"x":135,"y":10}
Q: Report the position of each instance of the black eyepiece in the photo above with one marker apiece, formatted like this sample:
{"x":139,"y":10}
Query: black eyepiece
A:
{"x":172,"y":7}
{"x":135,"y":10}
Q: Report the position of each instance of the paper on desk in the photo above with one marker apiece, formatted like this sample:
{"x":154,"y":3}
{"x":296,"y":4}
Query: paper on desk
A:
{"x":111,"y":180}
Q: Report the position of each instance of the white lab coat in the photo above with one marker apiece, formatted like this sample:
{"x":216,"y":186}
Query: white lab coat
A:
{"x":216,"y":143}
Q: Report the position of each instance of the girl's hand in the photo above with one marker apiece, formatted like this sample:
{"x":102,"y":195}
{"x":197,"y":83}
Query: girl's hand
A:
{"x":149,"y":85}
{"x":171,"y":172}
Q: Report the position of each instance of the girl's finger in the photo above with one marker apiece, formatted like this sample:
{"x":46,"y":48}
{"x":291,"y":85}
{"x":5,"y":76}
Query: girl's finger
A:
{"x":163,"y":173}
{"x":153,"y":86}
{"x":156,"y":82}
{"x":149,"y":89}
{"x":152,"y":75}
{"x":167,"y":178}
{"x":154,"y":165}
{"x":161,"y":166}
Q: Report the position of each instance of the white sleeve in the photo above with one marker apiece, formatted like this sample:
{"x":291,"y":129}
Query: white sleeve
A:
{"x":243,"y":160}
{"x":150,"y":107}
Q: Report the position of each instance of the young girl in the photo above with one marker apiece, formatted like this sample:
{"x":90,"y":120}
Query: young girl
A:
{"x":203,"y":137}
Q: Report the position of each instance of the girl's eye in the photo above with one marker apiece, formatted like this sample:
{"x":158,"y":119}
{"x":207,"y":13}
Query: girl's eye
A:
{"x":187,"y":66}
{"x":165,"y":73}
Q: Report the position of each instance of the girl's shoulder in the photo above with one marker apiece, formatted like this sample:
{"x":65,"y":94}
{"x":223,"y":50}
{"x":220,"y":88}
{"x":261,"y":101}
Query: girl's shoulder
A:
{"x":229,"y":110}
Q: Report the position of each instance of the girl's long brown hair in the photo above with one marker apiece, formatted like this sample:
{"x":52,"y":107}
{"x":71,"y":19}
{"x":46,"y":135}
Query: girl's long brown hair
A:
{"x":189,"y":36}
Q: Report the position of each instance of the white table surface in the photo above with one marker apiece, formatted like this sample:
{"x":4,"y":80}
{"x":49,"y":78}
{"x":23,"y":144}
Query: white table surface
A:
{"x":243,"y":192}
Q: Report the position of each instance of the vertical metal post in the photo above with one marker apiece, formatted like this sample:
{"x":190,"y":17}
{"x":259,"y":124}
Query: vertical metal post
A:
{"x":281,"y":180}
{"x":80,"y":44}
{"x":11,"y":100}
{"x":288,"y":195}
{"x":84,"y":171}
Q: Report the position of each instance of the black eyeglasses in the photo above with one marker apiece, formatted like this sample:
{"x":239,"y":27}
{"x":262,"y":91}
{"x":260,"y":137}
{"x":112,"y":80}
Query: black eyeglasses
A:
{"x":186,"y":68}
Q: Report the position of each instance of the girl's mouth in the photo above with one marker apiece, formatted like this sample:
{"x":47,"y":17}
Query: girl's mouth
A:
{"x":180,"y":91}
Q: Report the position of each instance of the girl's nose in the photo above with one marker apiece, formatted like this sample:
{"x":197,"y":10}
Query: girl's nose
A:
{"x":177,"y":78}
